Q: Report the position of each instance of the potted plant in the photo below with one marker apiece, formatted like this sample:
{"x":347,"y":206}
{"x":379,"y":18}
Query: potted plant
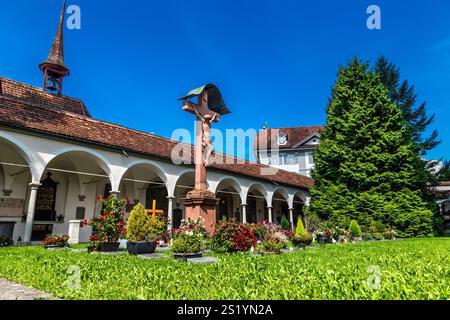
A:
{"x":354,"y":231}
{"x":110,"y":227}
{"x":143,"y":231}
{"x":302,"y":238}
{"x":55,"y":241}
{"x":189,"y":240}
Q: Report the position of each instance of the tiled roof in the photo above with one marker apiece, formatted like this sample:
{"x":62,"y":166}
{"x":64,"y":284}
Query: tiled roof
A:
{"x":268,"y":137}
{"x":39,"y":111}
{"x":37,"y":97}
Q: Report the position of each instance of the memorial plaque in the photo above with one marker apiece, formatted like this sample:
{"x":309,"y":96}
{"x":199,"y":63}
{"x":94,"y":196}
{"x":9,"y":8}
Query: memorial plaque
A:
{"x":11,"y":208}
{"x":46,"y":198}
{"x":81,"y":213}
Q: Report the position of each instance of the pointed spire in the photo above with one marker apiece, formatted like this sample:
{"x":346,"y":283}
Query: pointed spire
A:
{"x":56,"y":55}
{"x":54,"y":68}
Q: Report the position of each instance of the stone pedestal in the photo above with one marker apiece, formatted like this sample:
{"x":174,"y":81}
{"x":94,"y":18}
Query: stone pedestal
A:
{"x":74,"y":231}
{"x":201,"y":203}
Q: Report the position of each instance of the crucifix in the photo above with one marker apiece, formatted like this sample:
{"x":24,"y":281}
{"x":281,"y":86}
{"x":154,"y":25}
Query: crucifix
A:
{"x":153,"y":210}
{"x":208,"y":109}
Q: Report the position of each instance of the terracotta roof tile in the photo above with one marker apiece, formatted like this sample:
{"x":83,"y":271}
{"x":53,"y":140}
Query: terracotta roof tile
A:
{"x":36,"y":96}
{"x":38,"y":111}
{"x":294,"y":136}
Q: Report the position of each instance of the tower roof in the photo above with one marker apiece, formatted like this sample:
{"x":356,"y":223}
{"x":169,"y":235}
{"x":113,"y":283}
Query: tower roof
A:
{"x":56,"y":55}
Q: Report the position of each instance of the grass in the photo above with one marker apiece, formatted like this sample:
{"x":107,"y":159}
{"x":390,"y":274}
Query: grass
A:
{"x":410,"y":269}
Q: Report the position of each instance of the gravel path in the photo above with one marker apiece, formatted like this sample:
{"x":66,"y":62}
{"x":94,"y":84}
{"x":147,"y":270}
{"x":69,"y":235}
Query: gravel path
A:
{"x":13,"y":291}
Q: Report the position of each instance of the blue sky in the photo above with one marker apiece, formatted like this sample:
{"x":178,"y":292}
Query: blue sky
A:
{"x":274,"y":61}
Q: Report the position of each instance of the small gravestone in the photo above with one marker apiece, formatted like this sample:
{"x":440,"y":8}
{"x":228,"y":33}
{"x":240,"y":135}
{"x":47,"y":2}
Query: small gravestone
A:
{"x":291,"y":250}
{"x":153,"y":256}
{"x":203,"y":260}
{"x":110,"y":253}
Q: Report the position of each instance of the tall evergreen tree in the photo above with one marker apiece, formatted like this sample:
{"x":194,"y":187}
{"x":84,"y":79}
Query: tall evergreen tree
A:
{"x":417,"y":121}
{"x":402,"y":94}
{"x":364,"y":166}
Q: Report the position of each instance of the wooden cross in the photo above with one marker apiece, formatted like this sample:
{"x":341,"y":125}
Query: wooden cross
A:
{"x":153,"y":210}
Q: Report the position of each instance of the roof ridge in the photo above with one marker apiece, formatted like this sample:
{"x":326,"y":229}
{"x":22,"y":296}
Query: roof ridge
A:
{"x":48,"y":95}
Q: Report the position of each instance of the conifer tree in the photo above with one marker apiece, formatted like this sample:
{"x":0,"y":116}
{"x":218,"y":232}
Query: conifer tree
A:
{"x":364,"y":166}
{"x":417,"y":121}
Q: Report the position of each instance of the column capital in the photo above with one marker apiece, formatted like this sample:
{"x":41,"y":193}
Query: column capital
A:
{"x":114,"y":193}
{"x":34,"y":185}
{"x":244,"y":204}
{"x":171,"y":198}
{"x":291,"y":209}
{"x":269,"y":207}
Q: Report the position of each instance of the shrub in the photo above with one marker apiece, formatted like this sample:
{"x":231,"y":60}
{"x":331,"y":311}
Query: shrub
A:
{"x":6,"y":242}
{"x":285,"y":225}
{"x":300,"y":230}
{"x":143,"y":228}
{"x":190,"y":237}
{"x":110,"y":227}
{"x":271,"y":246}
{"x":390,"y":234}
{"x":354,"y":229}
{"x":367,"y":236}
{"x":188,"y":244}
{"x":378,"y":236}
{"x":55,"y":240}
{"x":232,"y":236}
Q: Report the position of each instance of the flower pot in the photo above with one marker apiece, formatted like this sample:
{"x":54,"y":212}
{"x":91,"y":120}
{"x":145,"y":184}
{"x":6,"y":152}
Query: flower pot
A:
{"x":323,"y":239}
{"x":136,"y":248}
{"x":301,"y":243}
{"x":109,"y":246}
{"x":185,"y":256}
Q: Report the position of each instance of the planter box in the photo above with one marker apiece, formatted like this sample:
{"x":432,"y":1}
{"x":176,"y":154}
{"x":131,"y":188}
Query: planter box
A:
{"x":185,"y":256}
{"x":109,"y":246}
{"x":301,"y":243}
{"x":136,"y":248}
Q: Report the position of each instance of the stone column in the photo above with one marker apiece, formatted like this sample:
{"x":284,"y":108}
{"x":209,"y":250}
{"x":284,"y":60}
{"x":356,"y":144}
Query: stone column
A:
{"x":34,"y":187}
{"x":170,"y":212}
{"x":269,"y":209}
{"x":291,"y":217}
{"x":244,"y":213}
{"x":115,"y":193}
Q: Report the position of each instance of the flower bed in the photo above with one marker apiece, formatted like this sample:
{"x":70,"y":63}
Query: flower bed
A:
{"x":55,"y":240}
{"x":190,"y":239}
{"x":231,"y":236}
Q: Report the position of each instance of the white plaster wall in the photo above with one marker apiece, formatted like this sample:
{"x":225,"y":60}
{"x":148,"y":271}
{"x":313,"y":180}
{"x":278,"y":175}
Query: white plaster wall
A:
{"x":40,"y":151}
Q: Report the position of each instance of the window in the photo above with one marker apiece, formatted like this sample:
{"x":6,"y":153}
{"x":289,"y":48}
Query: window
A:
{"x":310,"y":158}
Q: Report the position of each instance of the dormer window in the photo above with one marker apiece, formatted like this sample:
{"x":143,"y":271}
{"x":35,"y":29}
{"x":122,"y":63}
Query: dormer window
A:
{"x":282,"y":139}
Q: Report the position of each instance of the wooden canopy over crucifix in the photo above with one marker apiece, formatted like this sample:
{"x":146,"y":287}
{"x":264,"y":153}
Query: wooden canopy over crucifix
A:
{"x":208,"y":109}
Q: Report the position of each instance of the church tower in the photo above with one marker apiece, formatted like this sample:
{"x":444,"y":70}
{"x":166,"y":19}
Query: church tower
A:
{"x":54,"y":68}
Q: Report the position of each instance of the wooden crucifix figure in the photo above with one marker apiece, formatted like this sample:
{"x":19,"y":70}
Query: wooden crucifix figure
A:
{"x":204,"y":146}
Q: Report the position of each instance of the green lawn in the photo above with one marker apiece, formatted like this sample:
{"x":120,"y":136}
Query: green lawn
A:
{"x":410,"y":269}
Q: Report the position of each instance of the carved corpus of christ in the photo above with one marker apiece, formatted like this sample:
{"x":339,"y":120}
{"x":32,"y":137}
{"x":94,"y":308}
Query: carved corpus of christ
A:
{"x":208,"y":109}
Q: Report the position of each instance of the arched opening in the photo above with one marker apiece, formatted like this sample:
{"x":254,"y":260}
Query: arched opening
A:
{"x":280,"y":205}
{"x":69,"y":188}
{"x":257,"y":204}
{"x":15,"y":177}
{"x":184,"y":184}
{"x":298,"y":208}
{"x":144,"y":183}
{"x":228,"y":191}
